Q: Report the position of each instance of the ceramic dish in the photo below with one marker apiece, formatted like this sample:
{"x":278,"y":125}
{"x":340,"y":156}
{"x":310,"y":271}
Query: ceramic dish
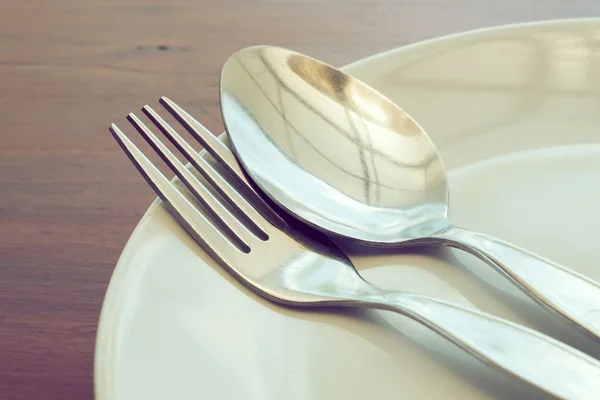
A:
{"x":514,"y":112}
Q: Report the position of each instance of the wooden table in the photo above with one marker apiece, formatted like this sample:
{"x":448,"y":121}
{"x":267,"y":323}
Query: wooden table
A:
{"x":69,"y":198}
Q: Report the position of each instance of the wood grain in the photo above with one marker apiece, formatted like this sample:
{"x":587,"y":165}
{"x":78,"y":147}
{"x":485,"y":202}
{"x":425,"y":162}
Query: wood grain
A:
{"x":69,"y":198}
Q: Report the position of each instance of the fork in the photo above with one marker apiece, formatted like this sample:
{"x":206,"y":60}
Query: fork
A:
{"x":294,"y":266}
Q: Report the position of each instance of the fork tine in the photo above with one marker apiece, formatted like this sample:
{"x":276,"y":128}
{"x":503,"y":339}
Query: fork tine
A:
{"x":215,"y":179}
{"x":195,"y":223}
{"x":213,"y":145}
{"x":233,"y":226}
{"x":221,"y":153}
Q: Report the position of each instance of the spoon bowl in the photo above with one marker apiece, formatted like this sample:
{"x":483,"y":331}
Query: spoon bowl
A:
{"x":331,"y":150}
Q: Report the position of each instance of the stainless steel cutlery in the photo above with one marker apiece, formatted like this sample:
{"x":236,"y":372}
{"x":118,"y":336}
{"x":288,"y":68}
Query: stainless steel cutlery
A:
{"x":340,"y":156}
{"x":295,"y":266}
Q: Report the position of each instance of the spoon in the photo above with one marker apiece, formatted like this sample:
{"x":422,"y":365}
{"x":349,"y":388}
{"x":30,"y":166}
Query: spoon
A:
{"x":340,"y":156}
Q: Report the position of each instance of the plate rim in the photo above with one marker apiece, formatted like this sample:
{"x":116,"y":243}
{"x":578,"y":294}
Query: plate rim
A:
{"x":103,"y":381}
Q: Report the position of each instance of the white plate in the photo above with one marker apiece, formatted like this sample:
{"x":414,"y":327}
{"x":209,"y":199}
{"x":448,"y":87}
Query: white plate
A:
{"x":515,"y":112}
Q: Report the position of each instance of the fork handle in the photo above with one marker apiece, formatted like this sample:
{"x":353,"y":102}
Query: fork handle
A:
{"x":550,"y":365}
{"x":570,"y":294}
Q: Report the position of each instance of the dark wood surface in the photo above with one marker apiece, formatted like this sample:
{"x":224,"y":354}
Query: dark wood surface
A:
{"x":69,"y":198}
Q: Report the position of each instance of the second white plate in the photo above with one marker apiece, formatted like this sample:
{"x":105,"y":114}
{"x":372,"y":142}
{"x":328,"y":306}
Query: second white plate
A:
{"x":514,"y":111}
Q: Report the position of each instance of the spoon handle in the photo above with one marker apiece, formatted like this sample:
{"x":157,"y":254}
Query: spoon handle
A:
{"x":572,"y":295}
{"x":552,"y":366}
